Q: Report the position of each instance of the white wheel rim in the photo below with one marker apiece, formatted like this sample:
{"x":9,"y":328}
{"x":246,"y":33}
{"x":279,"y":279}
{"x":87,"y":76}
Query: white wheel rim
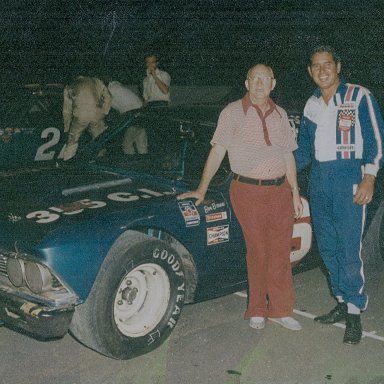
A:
{"x":141,"y":300}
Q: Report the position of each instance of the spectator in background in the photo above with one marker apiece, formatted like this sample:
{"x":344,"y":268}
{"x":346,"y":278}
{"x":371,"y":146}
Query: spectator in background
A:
{"x":86,"y":102}
{"x":156,"y":94}
{"x":156,"y":85}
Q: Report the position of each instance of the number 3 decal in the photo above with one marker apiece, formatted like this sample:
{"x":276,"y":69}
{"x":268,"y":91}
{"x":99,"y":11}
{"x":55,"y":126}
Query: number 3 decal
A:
{"x":43,"y":217}
{"x":53,"y":136}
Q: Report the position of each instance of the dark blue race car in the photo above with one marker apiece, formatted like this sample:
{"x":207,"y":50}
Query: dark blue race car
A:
{"x":101,"y":247}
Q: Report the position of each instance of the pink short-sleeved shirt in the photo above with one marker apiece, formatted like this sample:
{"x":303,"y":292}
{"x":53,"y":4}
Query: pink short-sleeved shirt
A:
{"x":256,"y":144}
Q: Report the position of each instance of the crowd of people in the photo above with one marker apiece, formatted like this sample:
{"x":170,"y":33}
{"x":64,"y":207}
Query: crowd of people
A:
{"x":340,"y":138}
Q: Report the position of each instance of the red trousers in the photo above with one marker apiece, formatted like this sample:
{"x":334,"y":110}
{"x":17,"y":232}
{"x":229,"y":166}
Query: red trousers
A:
{"x":265,"y":214}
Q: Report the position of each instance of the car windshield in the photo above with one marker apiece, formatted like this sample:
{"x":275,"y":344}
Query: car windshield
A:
{"x":161,"y":142}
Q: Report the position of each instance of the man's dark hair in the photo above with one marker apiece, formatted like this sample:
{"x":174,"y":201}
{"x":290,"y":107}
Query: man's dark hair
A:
{"x":325,"y":48}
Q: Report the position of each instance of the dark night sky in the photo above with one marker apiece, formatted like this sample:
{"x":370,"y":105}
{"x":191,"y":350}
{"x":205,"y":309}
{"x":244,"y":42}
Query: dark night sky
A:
{"x":202,"y":42}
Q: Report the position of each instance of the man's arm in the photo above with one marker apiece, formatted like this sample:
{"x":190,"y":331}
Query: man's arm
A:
{"x":105,"y":97}
{"x":67,"y":109}
{"x":292,"y":180}
{"x":107,"y":100}
{"x":145,"y":93}
{"x":372,"y":125}
{"x":372,"y":130}
{"x":212,"y":164}
{"x":365,"y":189}
{"x":303,"y":153}
{"x":163,"y":86}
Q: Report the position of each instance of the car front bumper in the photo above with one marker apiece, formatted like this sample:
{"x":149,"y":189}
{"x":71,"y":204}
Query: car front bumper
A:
{"x":34,"y":319}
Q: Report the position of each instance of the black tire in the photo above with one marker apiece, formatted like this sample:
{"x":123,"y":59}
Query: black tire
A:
{"x":135,"y":301}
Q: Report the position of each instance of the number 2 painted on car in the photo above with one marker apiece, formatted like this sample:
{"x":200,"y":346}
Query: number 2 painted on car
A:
{"x":43,"y":153}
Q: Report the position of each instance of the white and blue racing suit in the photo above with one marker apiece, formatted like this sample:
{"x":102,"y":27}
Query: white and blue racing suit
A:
{"x":342,"y":141}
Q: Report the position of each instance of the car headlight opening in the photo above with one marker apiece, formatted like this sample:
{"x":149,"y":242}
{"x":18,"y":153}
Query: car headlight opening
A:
{"x":16,"y":271}
{"x":38,"y":277}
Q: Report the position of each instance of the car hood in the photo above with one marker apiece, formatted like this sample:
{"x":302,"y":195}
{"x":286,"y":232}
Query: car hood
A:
{"x":38,"y":201}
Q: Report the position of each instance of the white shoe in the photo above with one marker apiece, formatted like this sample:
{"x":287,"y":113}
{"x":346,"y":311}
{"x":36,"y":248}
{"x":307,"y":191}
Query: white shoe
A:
{"x":257,"y":322}
{"x":287,"y":322}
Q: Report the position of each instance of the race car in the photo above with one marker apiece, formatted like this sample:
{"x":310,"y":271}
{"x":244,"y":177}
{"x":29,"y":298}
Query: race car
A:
{"x":31,"y":125}
{"x":99,"y":246}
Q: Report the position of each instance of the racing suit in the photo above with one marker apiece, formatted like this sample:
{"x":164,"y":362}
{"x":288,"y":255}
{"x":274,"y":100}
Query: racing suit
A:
{"x":343,"y":142}
{"x":86,"y":102}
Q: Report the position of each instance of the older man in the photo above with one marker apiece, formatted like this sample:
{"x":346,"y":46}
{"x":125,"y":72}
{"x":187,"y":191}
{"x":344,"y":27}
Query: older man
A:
{"x":264,"y":193}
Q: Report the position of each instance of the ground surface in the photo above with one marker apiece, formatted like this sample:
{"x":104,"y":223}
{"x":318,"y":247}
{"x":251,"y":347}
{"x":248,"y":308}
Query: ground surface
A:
{"x":213,"y":344}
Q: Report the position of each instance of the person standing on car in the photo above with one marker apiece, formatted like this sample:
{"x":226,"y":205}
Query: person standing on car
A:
{"x":125,"y":100}
{"x":156,"y":85}
{"x":341,"y":137}
{"x":264,"y":193}
{"x":86,"y":102}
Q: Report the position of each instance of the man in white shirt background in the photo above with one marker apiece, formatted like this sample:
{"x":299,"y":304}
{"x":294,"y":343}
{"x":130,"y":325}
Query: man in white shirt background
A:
{"x":156,"y":85}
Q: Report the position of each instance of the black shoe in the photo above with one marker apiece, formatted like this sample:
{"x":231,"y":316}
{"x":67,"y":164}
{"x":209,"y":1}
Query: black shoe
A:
{"x":353,"y":329}
{"x":337,"y":314}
